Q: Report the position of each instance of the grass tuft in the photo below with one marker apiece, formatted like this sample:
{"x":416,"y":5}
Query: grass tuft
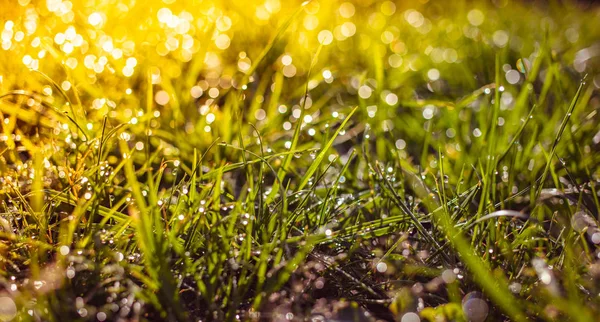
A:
{"x":348,"y":161}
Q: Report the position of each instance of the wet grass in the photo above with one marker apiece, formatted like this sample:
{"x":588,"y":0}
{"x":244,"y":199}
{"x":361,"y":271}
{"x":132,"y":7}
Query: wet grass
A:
{"x":322,"y":161}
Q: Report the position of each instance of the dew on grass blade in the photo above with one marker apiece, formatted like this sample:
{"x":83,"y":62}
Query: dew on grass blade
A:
{"x":512,"y":76}
{"x":448,"y":276}
{"x":64,"y":250}
{"x":162,"y":97}
{"x":428,"y":112}
{"x":545,"y":274}
{"x":476,"y":17}
{"x":500,"y":38}
{"x":325,"y":37}
{"x":433,"y":74}
{"x":381,"y":267}
{"x":410,"y":317}
{"x":101,"y":316}
{"x":522,"y":65}
{"x":8,"y":308}
{"x":365,"y":91}
{"x":475,"y":308}
{"x":95,"y":19}
{"x":582,"y":221}
{"x":515,"y":287}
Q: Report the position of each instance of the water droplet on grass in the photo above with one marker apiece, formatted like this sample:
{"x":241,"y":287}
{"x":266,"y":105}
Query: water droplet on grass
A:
{"x":475,"y":308}
{"x":515,"y":287}
{"x":410,"y":317}
{"x":38,"y":284}
{"x":521,"y":66}
{"x":381,"y":267}
{"x":8,"y":308}
{"x":64,"y":250}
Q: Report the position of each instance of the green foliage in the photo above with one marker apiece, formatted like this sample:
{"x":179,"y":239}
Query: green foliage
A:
{"x":433,"y":159}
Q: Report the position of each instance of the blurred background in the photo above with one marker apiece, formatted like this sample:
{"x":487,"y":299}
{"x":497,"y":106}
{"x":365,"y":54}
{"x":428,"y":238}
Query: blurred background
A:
{"x":171,"y":64}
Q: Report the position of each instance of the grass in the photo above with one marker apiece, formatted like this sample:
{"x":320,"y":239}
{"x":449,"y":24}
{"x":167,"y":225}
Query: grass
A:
{"x":371,"y":160}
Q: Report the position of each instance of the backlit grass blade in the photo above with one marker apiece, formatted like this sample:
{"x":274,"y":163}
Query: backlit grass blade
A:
{"x":559,"y":134}
{"x":324,"y":150}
